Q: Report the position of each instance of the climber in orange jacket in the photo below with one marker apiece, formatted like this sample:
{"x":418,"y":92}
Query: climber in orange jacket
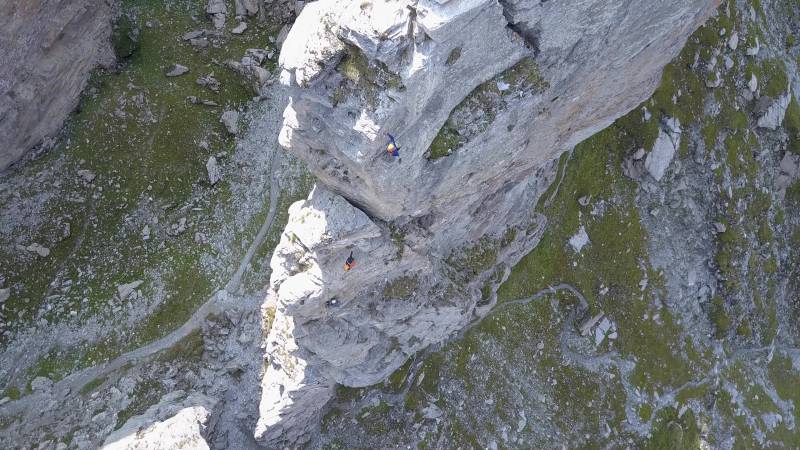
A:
{"x":350,"y":263}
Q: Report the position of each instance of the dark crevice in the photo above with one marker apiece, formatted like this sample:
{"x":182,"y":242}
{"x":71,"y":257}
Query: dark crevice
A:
{"x":531,"y":34}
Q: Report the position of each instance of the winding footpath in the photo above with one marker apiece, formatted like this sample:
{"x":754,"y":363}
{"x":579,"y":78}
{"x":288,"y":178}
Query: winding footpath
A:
{"x":218,"y":302}
{"x":274,"y":189}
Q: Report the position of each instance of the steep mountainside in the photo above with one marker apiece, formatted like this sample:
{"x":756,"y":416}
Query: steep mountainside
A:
{"x":481,"y":97}
{"x":589,"y":236}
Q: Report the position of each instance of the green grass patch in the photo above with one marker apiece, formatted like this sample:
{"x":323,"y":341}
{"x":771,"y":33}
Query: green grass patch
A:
{"x":402,"y":288}
{"x":786,"y":379}
{"x":674,"y":433}
{"x":776,"y":82}
{"x":363,"y":78}
{"x":144,"y":395}
{"x":523,"y":77}
{"x":471,"y":261}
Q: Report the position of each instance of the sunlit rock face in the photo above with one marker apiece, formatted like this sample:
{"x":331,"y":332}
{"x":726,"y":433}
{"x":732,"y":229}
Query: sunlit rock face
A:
{"x":481,"y":97}
{"x":174,"y":422}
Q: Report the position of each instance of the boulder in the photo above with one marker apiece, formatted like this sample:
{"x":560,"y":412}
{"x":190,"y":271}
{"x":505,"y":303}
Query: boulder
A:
{"x":192,"y":35}
{"x":239,"y":29}
{"x":246,"y":7}
{"x":41,"y":384}
{"x":733,"y":41}
{"x":579,"y":240}
{"x":790,"y":165}
{"x":38,"y":249}
{"x":753,"y":83}
{"x":177,"y":70}
{"x":86,"y":175}
{"x":753,"y":51}
{"x":666,"y":145}
{"x":231,"y":121}
{"x":209,"y":82}
{"x":216,"y":11}
{"x":214,"y":172}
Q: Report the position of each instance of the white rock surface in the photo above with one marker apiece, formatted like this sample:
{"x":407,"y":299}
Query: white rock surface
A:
{"x":171,"y":424}
{"x":5,"y":294}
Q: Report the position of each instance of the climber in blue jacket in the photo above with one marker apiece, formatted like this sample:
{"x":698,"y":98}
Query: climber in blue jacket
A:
{"x":391,"y":146}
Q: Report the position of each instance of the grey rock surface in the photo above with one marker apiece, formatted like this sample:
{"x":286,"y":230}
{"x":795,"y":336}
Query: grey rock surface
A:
{"x":355,"y":74}
{"x":46,"y":54}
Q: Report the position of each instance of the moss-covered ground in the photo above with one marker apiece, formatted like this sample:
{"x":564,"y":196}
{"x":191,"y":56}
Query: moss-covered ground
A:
{"x":489,"y":99}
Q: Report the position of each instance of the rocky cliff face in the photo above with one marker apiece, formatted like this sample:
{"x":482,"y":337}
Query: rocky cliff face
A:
{"x":47,"y":50}
{"x":481,"y":97}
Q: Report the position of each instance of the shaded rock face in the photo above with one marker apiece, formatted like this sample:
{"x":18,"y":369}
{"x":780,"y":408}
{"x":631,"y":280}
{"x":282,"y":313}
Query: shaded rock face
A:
{"x":481,"y":97}
{"x":47,"y":50}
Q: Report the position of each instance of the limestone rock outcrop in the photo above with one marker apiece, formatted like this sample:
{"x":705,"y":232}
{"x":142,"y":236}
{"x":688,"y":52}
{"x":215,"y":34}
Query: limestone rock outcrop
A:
{"x":175,"y":422}
{"x":47,"y":50}
{"x":482,"y":97}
